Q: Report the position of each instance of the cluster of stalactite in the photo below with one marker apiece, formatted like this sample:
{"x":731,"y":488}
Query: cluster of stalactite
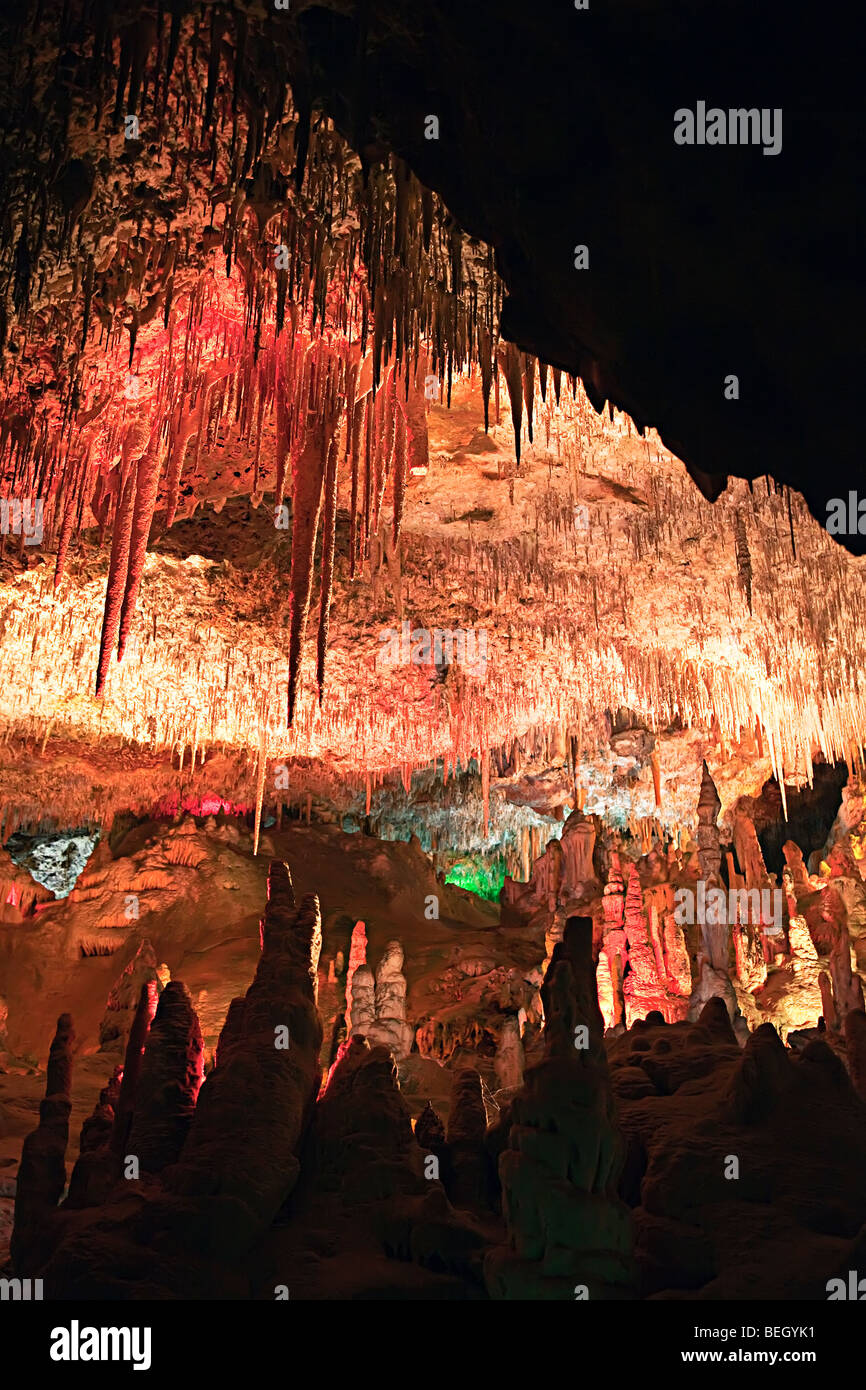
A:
{"x":233,"y":278}
{"x":572,"y":613}
{"x":125,"y":360}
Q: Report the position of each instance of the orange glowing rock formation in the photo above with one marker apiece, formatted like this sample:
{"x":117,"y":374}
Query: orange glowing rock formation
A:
{"x":297,"y":341}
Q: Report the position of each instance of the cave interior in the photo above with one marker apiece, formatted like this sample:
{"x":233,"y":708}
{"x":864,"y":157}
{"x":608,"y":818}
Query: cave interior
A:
{"x":432,"y":725}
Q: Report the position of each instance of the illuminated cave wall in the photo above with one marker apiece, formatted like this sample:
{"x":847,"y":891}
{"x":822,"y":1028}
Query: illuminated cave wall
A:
{"x":482,"y":877}
{"x":55,"y":860}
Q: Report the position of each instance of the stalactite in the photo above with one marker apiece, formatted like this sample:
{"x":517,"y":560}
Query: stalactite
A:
{"x":485,"y":357}
{"x":260,"y":785}
{"x":368,"y":479}
{"x":117,"y":572}
{"x":281,"y":437}
{"x":308,"y":480}
{"x":744,"y":559}
{"x":656,"y":771}
{"x":146,"y":488}
{"x":400,"y":441}
{"x":417,"y":442}
{"x":485,"y":789}
{"x":528,"y":364}
{"x":181,"y":434}
{"x":68,"y":524}
{"x":390,"y":408}
{"x":377,"y":476}
{"x":379,"y":259}
{"x":328,"y":543}
{"x":510,"y":363}
{"x":357,"y":423}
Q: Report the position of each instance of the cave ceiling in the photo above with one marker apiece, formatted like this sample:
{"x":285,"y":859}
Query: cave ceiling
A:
{"x":287,"y":376}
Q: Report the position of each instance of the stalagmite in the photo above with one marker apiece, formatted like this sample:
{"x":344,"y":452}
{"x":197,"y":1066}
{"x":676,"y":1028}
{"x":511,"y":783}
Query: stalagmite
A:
{"x":847,"y":986}
{"x":676,"y":955}
{"x":547,"y":875}
{"x":96,"y":1168}
{"x":253,"y":1172}
{"x":468,"y":1175}
{"x":794,"y":859}
{"x":357,"y":956}
{"x":559,"y":1173}
{"x":389,"y":1026}
{"x":509,"y":1062}
{"x":604,"y":985}
{"x":363,"y":1006}
{"x":430,"y":1131}
{"x":133,"y":1061}
{"x":42,"y":1171}
{"x":642,"y":989}
{"x":578,"y":843}
{"x":362,"y":1142}
{"x":168,"y":1087}
{"x":748,"y":847}
{"x":855,"y":1042}
{"x":614,"y":938}
{"x":709,"y":806}
{"x":125,"y":1000}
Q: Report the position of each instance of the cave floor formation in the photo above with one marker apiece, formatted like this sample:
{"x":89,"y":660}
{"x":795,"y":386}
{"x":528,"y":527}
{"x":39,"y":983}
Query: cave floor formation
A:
{"x":392,"y":1088}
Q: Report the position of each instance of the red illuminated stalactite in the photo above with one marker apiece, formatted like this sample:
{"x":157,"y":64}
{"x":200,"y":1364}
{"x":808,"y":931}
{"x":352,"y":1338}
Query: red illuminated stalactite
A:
{"x":282,"y":436}
{"x":258,"y":440}
{"x":390,"y":410}
{"x":377,"y":485}
{"x":399,"y":470}
{"x":180,"y":432}
{"x":328,"y":544}
{"x":308,"y":476}
{"x":70,"y":510}
{"x":357,"y":423}
{"x":353,"y":369}
{"x":260,"y":786}
{"x":117,"y":570}
{"x":146,"y":489}
{"x":368,"y":481}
